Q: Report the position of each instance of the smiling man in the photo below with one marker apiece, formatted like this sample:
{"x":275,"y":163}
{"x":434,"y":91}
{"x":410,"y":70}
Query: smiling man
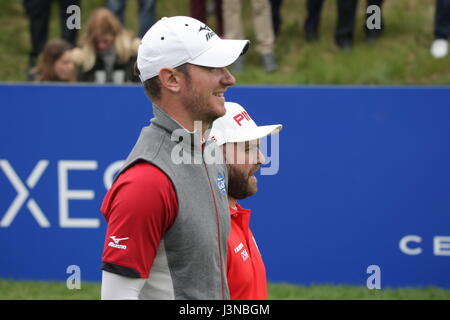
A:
{"x":240,"y":137}
{"x":171,"y":220}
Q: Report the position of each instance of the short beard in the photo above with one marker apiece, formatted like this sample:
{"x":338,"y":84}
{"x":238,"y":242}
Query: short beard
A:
{"x":197,"y":106}
{"x":238,"y":185}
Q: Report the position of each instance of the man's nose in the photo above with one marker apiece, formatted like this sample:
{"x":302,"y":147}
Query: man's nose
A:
{"x":228,"y":79}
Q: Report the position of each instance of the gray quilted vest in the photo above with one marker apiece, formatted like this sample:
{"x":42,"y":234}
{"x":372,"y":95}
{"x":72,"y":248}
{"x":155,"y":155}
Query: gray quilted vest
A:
{"x":191,"y":258}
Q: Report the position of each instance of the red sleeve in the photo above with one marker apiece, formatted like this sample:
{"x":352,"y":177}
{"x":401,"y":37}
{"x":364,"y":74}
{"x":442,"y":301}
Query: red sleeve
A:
{"x":139,"y":208}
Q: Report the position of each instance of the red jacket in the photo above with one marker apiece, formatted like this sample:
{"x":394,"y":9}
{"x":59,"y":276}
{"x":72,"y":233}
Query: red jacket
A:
{"x":245,"y":269}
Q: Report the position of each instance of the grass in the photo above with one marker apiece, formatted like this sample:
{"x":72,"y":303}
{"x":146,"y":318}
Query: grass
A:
{"x":37,"y":290}
{"x":344,"y":292}
{"x":25,"y":290}
{"x":400,"y":57}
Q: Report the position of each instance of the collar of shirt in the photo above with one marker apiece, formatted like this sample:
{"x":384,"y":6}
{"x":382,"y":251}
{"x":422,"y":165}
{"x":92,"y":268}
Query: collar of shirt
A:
{"x":240,"y":219}
{"x":239,"y":210}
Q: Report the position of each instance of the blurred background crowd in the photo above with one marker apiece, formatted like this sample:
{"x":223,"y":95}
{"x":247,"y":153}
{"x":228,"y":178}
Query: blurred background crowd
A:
{"x":104,"y":50}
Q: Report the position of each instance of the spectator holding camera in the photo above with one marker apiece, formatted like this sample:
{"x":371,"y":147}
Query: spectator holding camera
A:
{"x":108,"y":51}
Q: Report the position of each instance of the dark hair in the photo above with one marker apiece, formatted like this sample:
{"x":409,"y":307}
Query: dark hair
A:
{"x":152,"y":86}
{"x":52,"y":52}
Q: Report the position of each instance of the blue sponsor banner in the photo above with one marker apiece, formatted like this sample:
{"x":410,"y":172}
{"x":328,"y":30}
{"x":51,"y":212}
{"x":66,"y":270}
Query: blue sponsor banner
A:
{"x":362,"y":179}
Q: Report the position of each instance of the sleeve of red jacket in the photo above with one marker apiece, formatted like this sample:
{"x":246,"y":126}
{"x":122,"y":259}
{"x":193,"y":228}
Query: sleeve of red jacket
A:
{"x":139,"y":208}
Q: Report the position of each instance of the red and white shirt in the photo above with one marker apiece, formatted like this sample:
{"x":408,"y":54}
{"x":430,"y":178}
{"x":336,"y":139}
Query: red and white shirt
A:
{"x":134,"y":232}
{"x":245,"y":268}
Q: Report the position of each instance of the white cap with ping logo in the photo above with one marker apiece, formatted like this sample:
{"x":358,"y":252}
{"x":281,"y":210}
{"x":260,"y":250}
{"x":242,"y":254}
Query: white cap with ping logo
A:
{"x":237,"y":126}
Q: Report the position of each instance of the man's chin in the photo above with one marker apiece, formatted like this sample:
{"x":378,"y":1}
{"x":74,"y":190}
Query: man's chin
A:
{"x":219,"y":106}
{"x":252,"y":188}
{"x":244,"y":194}
{"x":220,"y":111}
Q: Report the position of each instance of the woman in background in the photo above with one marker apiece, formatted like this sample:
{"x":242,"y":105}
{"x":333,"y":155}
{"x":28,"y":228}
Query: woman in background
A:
{"x":108,"y":51}
{"x":56,"y":63}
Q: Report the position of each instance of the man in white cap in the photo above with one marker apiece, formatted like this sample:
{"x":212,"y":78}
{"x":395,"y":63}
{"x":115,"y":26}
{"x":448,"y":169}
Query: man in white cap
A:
{"x":240,"y":136}
{"x":168,"y":223}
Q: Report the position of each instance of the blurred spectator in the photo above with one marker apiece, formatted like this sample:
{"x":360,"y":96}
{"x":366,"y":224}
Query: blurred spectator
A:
{"x":56,"y":63}
{"x":439,"y":47}
{"x":38,"y":13}
{"x":108,"y":51}
{"x":312,"y":22}
{"x":277,"y":19}
{"x":262,"y":25}
{"x":200,"y":10}
{"x":146,"y":12}
{"x":345,"y":24}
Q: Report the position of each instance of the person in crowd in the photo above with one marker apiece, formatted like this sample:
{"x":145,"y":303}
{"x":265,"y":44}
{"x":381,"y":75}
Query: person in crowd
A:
{"x":312,"y":22}
{"x":277,"y":19}
{"x":439,"y":47}
{"x":56,"y":63}
{"x":38,"y":13}
{"x":108,"y":51}
{"x":262,"y":25}
{"x":345,"y":23}
{"x":147,"y":16}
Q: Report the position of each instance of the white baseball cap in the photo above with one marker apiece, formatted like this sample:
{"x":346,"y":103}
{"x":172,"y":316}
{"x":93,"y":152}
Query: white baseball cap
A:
{"x":173,"y":41}
{"x":237,"y":126}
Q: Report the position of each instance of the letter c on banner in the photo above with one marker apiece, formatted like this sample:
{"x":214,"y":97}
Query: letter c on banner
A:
{"x":406,"y":249}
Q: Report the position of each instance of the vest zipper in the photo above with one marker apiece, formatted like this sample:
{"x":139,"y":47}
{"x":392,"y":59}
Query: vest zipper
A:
{"x":218,"y":225}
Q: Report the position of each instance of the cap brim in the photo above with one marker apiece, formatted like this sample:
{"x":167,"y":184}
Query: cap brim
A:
{"x":222,"y":54}
{"x":257,"y":133}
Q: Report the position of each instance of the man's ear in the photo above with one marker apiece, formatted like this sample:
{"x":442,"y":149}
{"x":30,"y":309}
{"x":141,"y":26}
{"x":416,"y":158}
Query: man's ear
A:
{"x":170,"y":79}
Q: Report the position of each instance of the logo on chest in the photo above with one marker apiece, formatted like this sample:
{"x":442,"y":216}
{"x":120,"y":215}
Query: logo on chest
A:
{"x":244,"y":253}
{"x":221,"y":183}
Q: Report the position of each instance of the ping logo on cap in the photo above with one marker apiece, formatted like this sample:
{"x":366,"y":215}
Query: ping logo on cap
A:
{"x":241,"y":116}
